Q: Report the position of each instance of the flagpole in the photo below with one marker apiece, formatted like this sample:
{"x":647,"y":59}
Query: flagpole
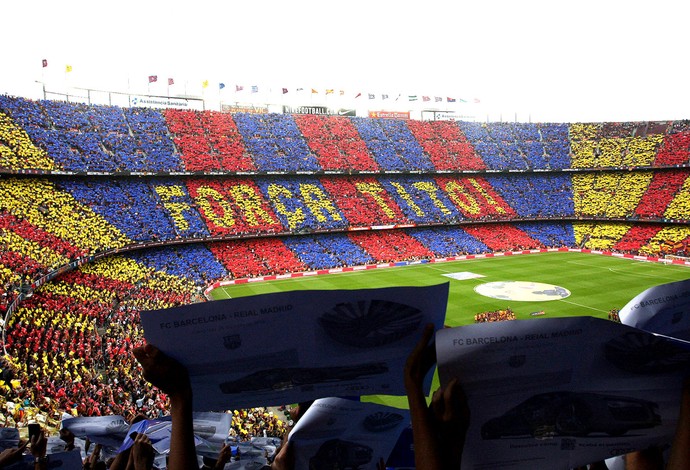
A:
{"x":43,"y":78}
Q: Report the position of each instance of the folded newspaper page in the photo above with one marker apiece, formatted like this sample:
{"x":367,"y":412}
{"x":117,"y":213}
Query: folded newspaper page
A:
{"x":663,"y":309}
{"x":340,"y":433}
{"x":563,"y":392}
{"x":288,"y":347}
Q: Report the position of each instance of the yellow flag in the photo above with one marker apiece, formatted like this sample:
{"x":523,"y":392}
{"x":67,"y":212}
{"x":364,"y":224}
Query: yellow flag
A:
{"x":204,"y":84}
{"x":68,"y":68}
{"x":330,"y":91}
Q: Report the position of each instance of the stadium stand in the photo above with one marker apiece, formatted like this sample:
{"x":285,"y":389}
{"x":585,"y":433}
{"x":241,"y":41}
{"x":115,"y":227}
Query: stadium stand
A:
{"x":306,"y":187}
{"x":335,"y":142}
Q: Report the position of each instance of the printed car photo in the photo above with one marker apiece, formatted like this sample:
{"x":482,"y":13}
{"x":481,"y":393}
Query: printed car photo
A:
{"x":290,"y":377}
{"x":337,"y":454}
{"x":573,"y":414}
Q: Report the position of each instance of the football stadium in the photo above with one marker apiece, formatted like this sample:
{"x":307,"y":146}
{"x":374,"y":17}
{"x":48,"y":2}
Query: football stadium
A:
{"x":117,"y":201}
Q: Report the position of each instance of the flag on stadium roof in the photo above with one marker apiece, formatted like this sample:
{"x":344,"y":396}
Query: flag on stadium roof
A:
{"x":204,"y":84}
{"x":152,"y":78}
{"x":412,"y":97}
{"x":221,"y":86}
{"x":476,"y":100}
{"x":426,"y":98}
{"x":314,"y":91}
{"x":329,"y":91}
{"x":438,"y":99}
{"x":384,"y":97}
{"x":285,"y":90}
{"x":171,"y":81}
{"x":255,"y":89}
{"x":300,"y":89}
{"x":358,"y":95}
{"x":450,"y":100}
{"x":45,"y":62}
{"x":371,"y":96}
{"x":68,"y":68}
{"x":239,"y":88}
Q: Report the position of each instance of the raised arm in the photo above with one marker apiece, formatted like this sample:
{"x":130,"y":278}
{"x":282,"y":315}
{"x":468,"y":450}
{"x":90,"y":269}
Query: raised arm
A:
{"x":172,"y":378}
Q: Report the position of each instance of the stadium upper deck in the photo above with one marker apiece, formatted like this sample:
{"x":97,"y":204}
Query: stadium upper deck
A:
{"x":69,"y":193}
{"x":107,"y":211}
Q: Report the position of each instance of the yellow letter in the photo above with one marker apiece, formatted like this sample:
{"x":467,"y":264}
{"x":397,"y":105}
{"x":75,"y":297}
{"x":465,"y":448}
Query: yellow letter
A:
{"x":486,"y":195}
{"x":294,"y":218}
{"x":406,"y":197}
{"x":373,"y":190}
{"x":204,"y":193}
{"x":176,"y":209}
{"x":317,"y":203}
{"x":431,"y":189}
{"x":250,"y":203}
{"x":462,"y":198}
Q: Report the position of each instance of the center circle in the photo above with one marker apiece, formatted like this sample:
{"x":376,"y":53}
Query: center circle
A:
{"x":522,"y":291}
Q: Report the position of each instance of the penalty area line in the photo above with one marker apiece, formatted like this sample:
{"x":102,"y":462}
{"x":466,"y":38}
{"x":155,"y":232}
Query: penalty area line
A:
{"x":584,"y":306}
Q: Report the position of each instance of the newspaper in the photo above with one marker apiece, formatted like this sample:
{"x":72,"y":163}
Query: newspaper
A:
{"x":289,"y":347}
{"x":562,"y":392}
{"x":663,"y":309}
{"x":340,"y":433}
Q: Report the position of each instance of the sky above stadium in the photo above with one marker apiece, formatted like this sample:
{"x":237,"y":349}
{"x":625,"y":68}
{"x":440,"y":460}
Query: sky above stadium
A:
{"x":528,"y":60}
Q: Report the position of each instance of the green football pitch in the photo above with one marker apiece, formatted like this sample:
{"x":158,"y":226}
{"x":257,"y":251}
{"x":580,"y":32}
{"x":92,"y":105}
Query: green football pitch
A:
{"x":596,"y":284}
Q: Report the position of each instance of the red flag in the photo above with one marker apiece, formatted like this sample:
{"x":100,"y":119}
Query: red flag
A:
{"x":285,"y":90}
{"x":170,"y":81}
{"x":153,"y":78}
{"x":45,"y":62}
{"x":358,"y":95}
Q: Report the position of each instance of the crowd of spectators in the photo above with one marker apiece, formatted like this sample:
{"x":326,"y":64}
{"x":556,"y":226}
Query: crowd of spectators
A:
{"x":446,"y":242}
{"x":76,"y":333}
{"x":260,"y":257}
{"x":502,"y":237}
{"x":49,"y":134}
{"x":391,"y":245}
{"x":612,"y":145}
{"x":663,"y":187}
{"x":550,"y":234}
{"x":609,"y":194}
{"x":232,"y":207}
{"x":502,"y":314}
{"x":275,"y":143}
{"x":670,"y":240}
{"x":70,"y":342}
{"x":446,"y":145}
{"x":328,"y":251}
{"x":539,"y":195}
{"x":635,"y":238}
{"x":17,"y":150}
{"x":335,"y":143}
{"x":392,"y":145}
{"x":208,"y":141}
{"x":257,"y":422}
{"x":675,"y":149}
{"x":364,"y":201}
{"x":302,"y":205}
